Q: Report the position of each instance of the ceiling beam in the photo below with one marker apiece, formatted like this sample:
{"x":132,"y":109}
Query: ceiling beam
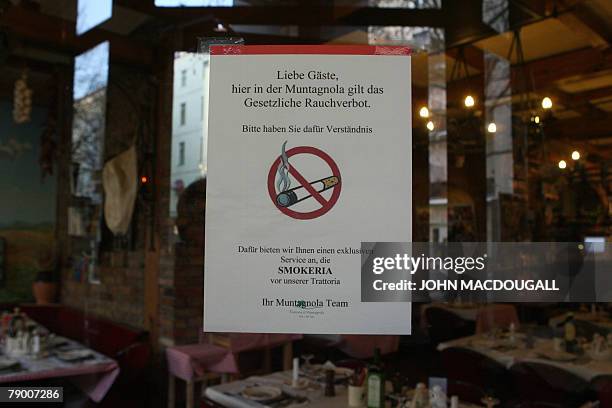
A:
{"x":582,"y":19}
{"x":592,"y":94}
{"x":577,"y":129}
{"x":300,"y":15}
{"x":585,"y":61}
{"x":583,"y":22}
{"x":58,"y":34}
{"x":576,"y":104}
{"x":546,"y":73}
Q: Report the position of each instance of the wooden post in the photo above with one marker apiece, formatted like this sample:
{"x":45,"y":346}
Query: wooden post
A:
{"x":171,"y":391}
{"x":189,"y":397}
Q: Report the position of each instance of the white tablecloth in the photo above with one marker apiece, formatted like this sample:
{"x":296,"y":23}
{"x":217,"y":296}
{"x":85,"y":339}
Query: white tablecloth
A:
{"x":583,"y":367}
{"x":598,"y":320}
{"x":225,"y":394}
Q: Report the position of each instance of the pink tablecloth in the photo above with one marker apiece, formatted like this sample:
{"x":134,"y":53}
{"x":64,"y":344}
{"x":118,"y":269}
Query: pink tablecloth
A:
{"x":252,"y":341}
{"x":93,"y":379}
{"x":187,"y":362}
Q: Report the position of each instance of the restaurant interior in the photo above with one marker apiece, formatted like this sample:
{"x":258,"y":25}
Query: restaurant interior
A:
{"x":103,"y":141}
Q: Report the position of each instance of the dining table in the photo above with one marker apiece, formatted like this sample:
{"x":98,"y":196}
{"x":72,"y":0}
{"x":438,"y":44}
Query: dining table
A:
{"x":218,"y":355}
{"x":233,"y":395}
{"x":92,"y":372}
{"x":510,"y":351}
{"x":598,"y":319}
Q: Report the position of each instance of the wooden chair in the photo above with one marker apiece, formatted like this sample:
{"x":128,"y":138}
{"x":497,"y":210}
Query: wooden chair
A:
{"x":444,"y":325}
{"x":545,"y":383}
{"x":475,"y":374}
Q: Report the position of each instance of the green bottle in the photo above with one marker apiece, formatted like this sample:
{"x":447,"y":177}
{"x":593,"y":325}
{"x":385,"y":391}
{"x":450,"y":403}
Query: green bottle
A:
{"x":569,"y":330}
{"x":376,"y":382}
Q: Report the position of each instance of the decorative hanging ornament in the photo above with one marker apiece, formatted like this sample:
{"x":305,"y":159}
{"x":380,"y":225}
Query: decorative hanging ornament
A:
{"x":22,"y":100}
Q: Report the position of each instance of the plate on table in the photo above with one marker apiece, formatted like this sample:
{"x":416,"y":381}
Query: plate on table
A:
{"x":261,"y":393}
{"x":557,"y":355}
{"x":57,"y":341}
{"x":301,"y":384}
{"x":74,"y":355}
{"x":7,"y":363}
{"x":340,"y":372}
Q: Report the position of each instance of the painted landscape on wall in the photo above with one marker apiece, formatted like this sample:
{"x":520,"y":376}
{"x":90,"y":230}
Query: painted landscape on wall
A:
{"x":27,"y":207}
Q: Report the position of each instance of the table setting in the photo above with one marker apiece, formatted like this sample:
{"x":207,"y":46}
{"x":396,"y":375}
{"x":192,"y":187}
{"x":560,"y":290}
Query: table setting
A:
{"x":598,"y":315}
{"x":29,"y":352}
{"x":326,"y":386}
{"x":584,"y":357}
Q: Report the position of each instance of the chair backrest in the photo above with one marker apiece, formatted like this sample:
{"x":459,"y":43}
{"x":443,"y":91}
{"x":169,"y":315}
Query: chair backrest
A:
{"x":549,"y":384}
{"x":444,"y":325}
{"x":363,"y":346}
{"x":473,"y":370}
{"x":496,"y":316}
{"x":589,"y":329}
{"x":601,"y":387}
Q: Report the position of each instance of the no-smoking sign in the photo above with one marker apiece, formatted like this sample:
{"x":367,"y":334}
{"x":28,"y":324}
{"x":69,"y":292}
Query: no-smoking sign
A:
{"x":288,"y":185}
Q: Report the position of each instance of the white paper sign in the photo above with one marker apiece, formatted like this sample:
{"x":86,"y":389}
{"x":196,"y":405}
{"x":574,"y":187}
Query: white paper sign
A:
{"x":309,"y":154}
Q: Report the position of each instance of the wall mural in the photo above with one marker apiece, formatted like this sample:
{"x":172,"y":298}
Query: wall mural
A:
{"x":27,"y":206}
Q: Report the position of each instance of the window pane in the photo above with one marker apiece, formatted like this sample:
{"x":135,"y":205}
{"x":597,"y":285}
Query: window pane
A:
{"x":88,"y":131}
{"x":194,"y":3}
{"x":183,"y":113}
{"x":188,"y":128}
{"x":90,"y":13}
{"x":91,"y":71}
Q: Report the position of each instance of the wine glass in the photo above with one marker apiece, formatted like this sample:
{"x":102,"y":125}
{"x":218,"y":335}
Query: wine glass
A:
{"x":307,"y":358}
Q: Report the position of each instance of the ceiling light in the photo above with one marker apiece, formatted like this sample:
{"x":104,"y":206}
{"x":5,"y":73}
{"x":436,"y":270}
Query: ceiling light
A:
{"x":575,"y":155}
{"x":424,"y":112}
{"x":430,"y":125}
{"x":492,"y":128}
{"x":562,"y":164}
{"x":469,"y":101}
{"x":547,"y":103}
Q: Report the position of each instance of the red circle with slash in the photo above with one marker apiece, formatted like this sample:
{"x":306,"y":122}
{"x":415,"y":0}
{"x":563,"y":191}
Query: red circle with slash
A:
{"x":326,"y":205}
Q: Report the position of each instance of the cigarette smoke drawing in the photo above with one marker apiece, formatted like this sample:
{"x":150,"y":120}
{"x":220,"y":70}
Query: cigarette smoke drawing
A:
{"x":289,"y":196}
{"x":283,"y":182}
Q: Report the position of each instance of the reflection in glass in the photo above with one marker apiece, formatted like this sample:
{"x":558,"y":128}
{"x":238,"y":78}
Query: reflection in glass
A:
{"x":411,"y":4}
{"x":88,"y":129}
{"x":90,"y":13}
{"x":88,"y":124}
{"x":431,"y":41}
{"x":438,"y":156}
{"x":189,"y":124}
{"x":194,"y":3}
{"x":496,"y":13}
{"x":418,"y":38}
{"x":498,"y":122}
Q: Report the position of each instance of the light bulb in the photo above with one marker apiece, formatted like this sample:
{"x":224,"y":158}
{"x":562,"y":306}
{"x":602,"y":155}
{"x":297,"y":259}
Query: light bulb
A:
{"x":430,"y":125}
{"x":492,"y":128}
{"x":562,"y":164}
{"x":547,"y":103}
{"x":575,"y":155}
{"x":536,"y":119}
{"x":469,"y":101}
{"x":424,"y":112}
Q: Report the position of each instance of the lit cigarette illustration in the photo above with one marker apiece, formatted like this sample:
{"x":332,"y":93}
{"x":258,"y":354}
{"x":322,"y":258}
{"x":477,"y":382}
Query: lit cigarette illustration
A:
{"x":288,"y":196}
{"x":297,"y":194}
